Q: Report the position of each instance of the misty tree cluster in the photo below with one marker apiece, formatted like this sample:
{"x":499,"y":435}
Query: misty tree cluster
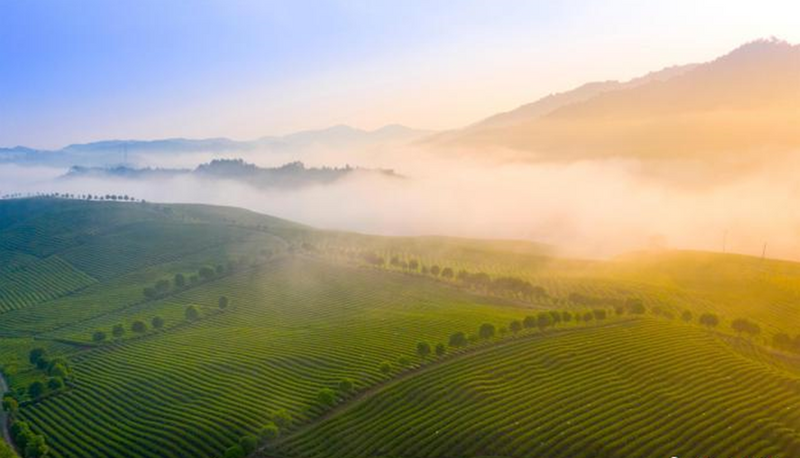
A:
{"x":71,"y":196}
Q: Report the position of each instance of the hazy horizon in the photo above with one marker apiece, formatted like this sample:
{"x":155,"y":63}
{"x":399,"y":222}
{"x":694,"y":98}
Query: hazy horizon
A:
{"x":93,"y":72}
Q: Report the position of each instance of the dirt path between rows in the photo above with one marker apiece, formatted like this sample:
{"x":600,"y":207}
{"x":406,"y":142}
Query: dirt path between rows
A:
{"x":375,"y":390}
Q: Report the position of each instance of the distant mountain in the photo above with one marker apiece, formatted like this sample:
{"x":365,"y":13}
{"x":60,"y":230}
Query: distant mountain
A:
{"x":291,"y":175}
{"x":116,"y":152}
{"x":744,"y":102}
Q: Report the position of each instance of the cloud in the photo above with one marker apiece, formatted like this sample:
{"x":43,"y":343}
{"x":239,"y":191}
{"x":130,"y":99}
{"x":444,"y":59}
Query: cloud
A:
{"x":594,"y":208}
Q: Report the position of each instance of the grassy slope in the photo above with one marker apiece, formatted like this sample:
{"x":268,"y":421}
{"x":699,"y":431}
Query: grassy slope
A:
{"x":295,"y":325}
{"x":733,"y":286}
{"x":634,"y":389}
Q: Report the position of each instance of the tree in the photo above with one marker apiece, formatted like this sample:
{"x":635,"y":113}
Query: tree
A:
{"x":346,"y":385}
{"x":741,"y":325}
{"x":440,"y":349}
{"x":235,"y":451}
{"x":686,"y":316}
{"x":435,"y":270}
{"x":486,"y":331}
{"x":447,"y":272}
{"x":162,"y":286}
{"x":249,"y":443}
{"x":281,"y":418}
{"x":635,"y":306}
{"x":191,"y":313}
{"x":58,"y":369}
{"x":222,"y":302}
{"x":543,"y":320}
{"x":458,"y":339}
{"x":180,"y":281}
{"x":10,"y":405}
{"x":326,"y":397}
{"x":36,"y":389}
{"x":269,"y":432}
{"x":599,"y":314}
{"x":515,"y":326}
{"x":566,"y":316}
{"x":386,"y":367}
{"x":118,"y":331}
{"x":206,"y":273}
{"x":36,"y":354}
{"x":782,"y":341}
{"x":588,"y":316}
{"x":157,"y":322}
{"x":36,"y":447}
{"x":423,"y":349}
{"x":139,"y":327}
{"x":529,"y":322}
{"x":42,"y":363}
{"x":709,"y":320}
{"x":55,"y":383}
{"x":98,"y":336}
{"x":403,"y":361}
{"x":149,"y":293}
{"x":413,"y":264}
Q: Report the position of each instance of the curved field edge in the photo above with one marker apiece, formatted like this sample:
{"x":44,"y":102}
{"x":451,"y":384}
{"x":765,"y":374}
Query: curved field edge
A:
{"x":639,"y":389}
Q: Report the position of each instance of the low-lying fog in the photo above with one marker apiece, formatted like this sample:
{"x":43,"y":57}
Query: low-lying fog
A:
{"x":592,"y":208}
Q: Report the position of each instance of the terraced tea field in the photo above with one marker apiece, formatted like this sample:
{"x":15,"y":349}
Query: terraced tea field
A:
{"x":302,"y":317}
{"x":635,"y":389}
{"x":194,"y":390}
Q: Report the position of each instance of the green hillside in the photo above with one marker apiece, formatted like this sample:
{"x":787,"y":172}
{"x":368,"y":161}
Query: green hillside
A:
{"x":225,"y":316}
{"x":636,"y":389}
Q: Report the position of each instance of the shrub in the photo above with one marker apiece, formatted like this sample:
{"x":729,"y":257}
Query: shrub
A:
{"x":269,"y":432}
{"x":223,"y":302}
{"x":139,"y":327}
{"x":423,"y":349}
{"x":386,"y":367}
{"x":249,"y":444}
{"x":36,"y":354}
{"x":98,"y":336}
{"x":515,"y":326}
{"x":235,"y":451}
{"x":36,"y":389}
{"x":326,"y":397}
{"x":635,"y":306}
{"x":157,"y":322}
{"x":192,"y":313}
{"x":529,"y":322}
{"x":440,"y":349}
{"x":55,"y":383}
{"x":486,"y":331}
{"x":543,"y":320}
{"x":346,"y":385}
{"x":118,"y":331}
{"x":458,"y":340}
{"x":281,"y":418}
{"x":709,"y":320}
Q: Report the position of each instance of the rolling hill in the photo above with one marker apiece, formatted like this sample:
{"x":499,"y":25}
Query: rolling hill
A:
{"x":179,"y":330}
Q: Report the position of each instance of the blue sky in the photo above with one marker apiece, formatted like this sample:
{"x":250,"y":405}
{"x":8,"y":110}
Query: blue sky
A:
{"x":75,"y":71}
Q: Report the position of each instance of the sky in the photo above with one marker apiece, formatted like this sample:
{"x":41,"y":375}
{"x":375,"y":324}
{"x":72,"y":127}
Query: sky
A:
{"x":79,"y":71}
